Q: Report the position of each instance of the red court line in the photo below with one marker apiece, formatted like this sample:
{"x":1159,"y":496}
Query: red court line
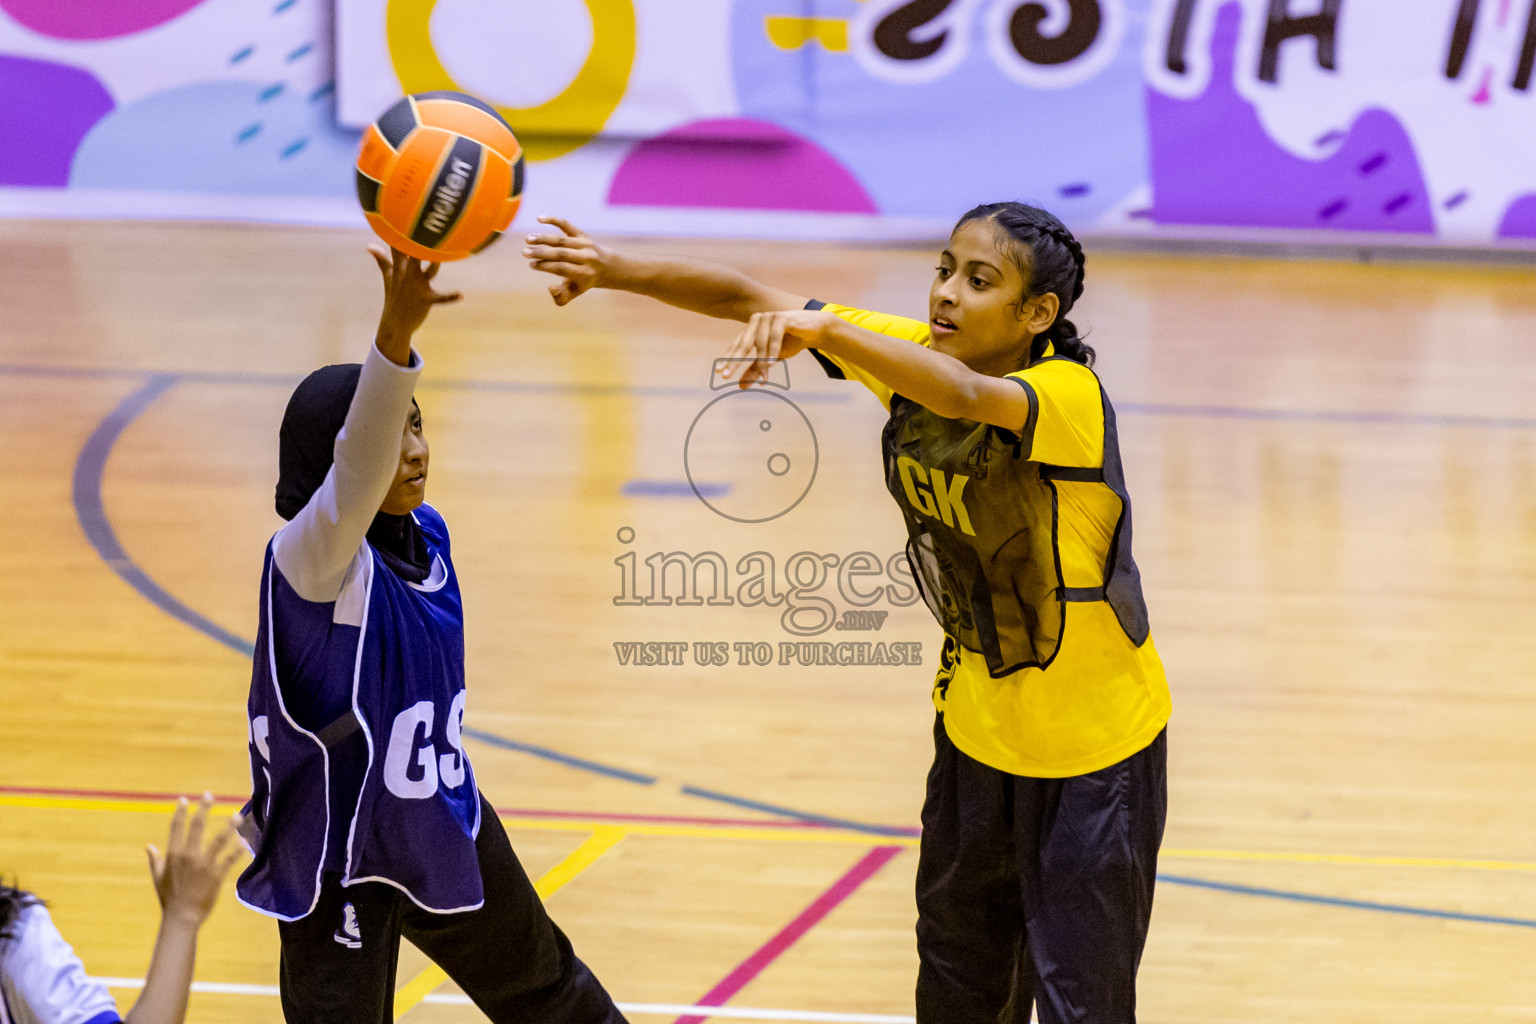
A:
{"x":670,"y":819}
{"x":113,"y":794}
{"x":506,"y":812}
{"x":807,"y":919}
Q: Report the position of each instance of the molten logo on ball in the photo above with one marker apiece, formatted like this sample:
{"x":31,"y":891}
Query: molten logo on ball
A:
{"x":445,"y":201}
{"x":751,"y":455}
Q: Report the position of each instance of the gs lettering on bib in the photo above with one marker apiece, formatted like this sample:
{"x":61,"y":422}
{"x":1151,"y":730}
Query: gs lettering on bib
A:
{"x":357,"y":759}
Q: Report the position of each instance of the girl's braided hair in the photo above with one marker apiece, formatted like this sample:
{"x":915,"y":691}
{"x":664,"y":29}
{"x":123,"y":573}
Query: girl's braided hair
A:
{"x":1052,"y":261}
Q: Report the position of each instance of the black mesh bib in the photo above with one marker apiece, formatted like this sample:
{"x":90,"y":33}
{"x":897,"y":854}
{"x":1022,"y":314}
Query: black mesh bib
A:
{"x":982,"y":535}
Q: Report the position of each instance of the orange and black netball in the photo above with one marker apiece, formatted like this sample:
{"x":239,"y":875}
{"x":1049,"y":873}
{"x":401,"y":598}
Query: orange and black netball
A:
{"x":440,"y":175}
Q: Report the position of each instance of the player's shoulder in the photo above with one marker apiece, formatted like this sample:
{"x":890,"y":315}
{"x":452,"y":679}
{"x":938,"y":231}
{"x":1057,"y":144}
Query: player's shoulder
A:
{"x":1060,"y":374}
{"x":881,"y":323}
{"x":34,"y":942}
{"x":31,"y":917}
{"x":43,"y":969}
{"x":431,"y":522}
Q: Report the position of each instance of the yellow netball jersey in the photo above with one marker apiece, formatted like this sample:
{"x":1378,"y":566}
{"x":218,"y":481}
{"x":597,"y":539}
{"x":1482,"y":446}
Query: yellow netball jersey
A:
{"x":1102,"y":697}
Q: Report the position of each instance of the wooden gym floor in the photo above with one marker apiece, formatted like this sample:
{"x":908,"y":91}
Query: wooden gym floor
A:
{"x":1334,"y":475}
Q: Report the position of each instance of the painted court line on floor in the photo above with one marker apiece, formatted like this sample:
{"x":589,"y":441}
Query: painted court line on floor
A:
{"x":587,"y":389}
{"x":747,"y":831}
{"x":86,"y":799}
{"x":92,"y":513}
{"x":90,"y":467}
{"x":690,"y":826}
{"x":791,"y":933}
{"x":89,"y":470}
{"x":603,"y":839}
{"x":1339,"y":901}
{"x":638,"y":1009}
{"x":1347,"y":859}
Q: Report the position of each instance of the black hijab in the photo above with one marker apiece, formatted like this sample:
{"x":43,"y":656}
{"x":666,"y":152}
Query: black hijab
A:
{"x":306,"y":447}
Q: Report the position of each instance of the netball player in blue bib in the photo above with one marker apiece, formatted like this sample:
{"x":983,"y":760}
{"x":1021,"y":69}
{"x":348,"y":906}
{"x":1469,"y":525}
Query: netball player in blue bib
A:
{"x":1047,"y":796}
{"x":365,"y":821}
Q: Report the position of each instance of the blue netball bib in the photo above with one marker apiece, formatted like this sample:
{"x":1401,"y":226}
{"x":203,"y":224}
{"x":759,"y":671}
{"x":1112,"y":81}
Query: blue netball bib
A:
{"x":357,"y":760}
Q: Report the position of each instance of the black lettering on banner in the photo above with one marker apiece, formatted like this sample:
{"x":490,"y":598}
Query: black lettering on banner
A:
{"x":1522,"y":79}
{"x":1178,"y":36}
{"x":1281,"y":26}
{"x":1084,"y":22}
{"x":1461,"y":37}
{"x":893,"y":34}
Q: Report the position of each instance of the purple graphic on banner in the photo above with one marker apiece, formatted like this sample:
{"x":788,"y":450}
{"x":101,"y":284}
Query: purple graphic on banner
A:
{"x":738,"y":163}
{"x":94,"y":19}
{"x":50,"y":107}
{"x":1213,"y":163}
{"x":1520,"y":219}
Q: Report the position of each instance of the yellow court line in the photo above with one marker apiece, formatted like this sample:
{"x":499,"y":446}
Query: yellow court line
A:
{"x":81,"y":803}
{"x":602,"y":839}
{"x":784,"y":835}
{"x":793,"y":835}
{"x":1357,"y":860}
{"x":771,"y":834}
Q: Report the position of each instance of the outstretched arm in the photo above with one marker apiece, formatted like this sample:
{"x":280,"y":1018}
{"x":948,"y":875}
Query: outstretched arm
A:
{"x":187,"y":879}
{"x":694,"y":285}
{"x":932,"y":379}
{"x":314,"y":551}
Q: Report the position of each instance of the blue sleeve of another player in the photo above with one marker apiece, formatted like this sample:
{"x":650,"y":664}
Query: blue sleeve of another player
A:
{"x":40,"y":971}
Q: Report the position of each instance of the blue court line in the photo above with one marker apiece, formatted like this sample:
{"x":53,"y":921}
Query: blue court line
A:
{"x":1339,"y":901}
{"x":788,"y":812}
{"x":91,"y":513}
{"x":568,"y":760}
{"x":671,"y":489}
{"x":516,"y":387}
{"x":1401,"y":419}
{"x":509,"y":387}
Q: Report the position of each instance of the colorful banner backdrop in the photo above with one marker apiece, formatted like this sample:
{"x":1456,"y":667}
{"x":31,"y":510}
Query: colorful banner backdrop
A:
{"x":814,"y":118}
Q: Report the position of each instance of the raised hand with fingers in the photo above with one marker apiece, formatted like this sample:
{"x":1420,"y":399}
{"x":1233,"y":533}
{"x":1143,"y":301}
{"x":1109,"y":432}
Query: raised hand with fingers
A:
{"x":772,"y":336}
{"x":569,"y":254}
{"x":408,"y":298}
{"x":187,"y":877}
{"x":189,"y":873}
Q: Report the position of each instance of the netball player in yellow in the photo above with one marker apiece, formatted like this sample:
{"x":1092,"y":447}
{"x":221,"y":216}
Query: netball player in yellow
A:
{"x":1048,"y":793}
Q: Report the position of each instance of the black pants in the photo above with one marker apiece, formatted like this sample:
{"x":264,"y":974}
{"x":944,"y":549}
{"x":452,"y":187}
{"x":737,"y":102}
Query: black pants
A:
{"x":1036,"y":891}
{"x":338,"y":967}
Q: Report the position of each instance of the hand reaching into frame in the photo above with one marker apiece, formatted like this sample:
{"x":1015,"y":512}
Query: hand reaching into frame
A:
{"x":570,"y":255}
{"x":189,"y":873}
{"x":188,"y":876}
{"x":772,"y":336}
